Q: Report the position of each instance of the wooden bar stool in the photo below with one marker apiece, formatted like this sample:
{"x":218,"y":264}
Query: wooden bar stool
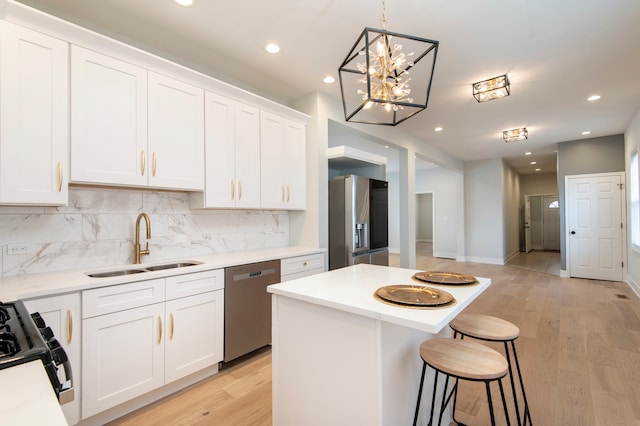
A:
{"x":492,"y":329}
{"x":461,"y":359}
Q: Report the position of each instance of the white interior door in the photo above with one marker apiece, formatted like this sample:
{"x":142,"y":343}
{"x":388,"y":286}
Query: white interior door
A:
{"x":527,"y":224}
{"x":594,"y":227}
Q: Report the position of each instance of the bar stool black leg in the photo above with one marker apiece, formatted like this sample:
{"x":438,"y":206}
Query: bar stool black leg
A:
{"x":504,"y":402}
{"x":415,"y":417}
{"x":513,"y":384}
{"x":433,"y":398}
{"x":527,"y":413}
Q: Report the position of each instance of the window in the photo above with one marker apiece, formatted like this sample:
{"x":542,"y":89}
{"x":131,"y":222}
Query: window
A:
{"x":554,"y":205}
{"x":634,"y":187}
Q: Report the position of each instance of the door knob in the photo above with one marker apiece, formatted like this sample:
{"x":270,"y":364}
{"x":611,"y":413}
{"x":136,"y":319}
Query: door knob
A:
{"x":573,"y":232}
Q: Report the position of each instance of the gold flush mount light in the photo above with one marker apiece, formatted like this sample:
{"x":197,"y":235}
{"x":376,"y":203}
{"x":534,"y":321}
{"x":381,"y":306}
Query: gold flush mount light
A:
{"x":494,"y":88}
{"x":515,"y":135}
{"x":375,"y":81}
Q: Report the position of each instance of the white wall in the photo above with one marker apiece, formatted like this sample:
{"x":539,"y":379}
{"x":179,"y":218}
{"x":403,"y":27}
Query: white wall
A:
{"x":484,"y":239}
{"x":97,"y":229}
{"x":446,"y":185}
{"x":632,"y":141}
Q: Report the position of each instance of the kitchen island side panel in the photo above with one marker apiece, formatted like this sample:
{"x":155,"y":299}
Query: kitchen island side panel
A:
{"x":324,"y":366}
{"x":339,"y":368}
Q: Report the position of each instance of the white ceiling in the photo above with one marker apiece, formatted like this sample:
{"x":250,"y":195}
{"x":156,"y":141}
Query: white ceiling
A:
{"x":556,"y":53}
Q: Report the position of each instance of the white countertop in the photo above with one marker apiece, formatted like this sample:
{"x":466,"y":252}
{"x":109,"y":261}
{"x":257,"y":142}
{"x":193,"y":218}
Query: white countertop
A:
{"x":27,"y":398}
{"x":46,"y":284}
{"x":352,"y":290}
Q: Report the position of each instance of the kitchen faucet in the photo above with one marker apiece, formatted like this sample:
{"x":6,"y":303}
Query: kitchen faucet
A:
{"x":136,"y":250}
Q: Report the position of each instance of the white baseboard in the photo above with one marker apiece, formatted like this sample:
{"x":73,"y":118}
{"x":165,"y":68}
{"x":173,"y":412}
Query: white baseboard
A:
{"x":511,"y":256}
{"x":394,"y":250}
{"x":634,"y":285}
{"x":444,"y":255}
{"x":564,"y":273}
{"x":489,"y":260}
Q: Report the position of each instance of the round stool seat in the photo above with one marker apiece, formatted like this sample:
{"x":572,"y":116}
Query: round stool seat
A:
{"x":464,"y":359}
{"x":485,"y":327}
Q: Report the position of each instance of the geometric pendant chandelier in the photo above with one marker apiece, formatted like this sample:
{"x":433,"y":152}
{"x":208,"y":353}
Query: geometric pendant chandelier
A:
{"x":380,"y":83}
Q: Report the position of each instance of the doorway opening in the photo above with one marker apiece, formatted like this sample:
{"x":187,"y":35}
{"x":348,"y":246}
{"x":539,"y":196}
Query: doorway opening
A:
{"x":542,"y":223}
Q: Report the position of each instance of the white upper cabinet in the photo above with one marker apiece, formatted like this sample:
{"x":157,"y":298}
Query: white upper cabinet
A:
{"x":232,"y":155}
{"x":176,"y":134}
{"x":283,"y":162}
{"x":133,"y":127}
{"x":34,"y":117}
{"x":108,"y":120}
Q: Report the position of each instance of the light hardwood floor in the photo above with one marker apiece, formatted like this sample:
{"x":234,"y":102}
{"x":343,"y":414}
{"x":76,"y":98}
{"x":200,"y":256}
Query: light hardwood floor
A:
{"x":579,"y":351}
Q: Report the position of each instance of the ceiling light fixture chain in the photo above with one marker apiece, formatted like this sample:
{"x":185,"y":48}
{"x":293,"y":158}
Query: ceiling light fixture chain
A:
{"x":383,"y":18}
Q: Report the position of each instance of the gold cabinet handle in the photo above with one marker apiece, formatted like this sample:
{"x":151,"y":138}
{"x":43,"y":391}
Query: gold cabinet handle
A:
{"x":239,"y":190}
{"x":304,"y":264}
{"x":288,"y":193}
{"x":233,"y":189}
{"x":282,"y":193}
{"x":69,"y":326}
{"x":59,"y":176}
{"x":171,"y":326}
{"x":159,"y":329}
{"x":143,"y":162}
{"x":153,"y":164}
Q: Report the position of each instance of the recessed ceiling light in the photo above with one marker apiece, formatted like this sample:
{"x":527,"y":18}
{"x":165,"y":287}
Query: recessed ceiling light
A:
{"x":593,"y":98}
{"x":329,"y":80}
{"x":386,"y":146}
{"x":184,"y":2}
{"x":528,"y":153}
{"x":533,"y":162}
{"x":272,"y":48}
{"x":586,"y":132}
{"x":537,"y":170}
{"x":438,"y":129}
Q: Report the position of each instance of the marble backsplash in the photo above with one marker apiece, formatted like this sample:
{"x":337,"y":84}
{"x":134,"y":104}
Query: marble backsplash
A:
{"x":97,"y":229}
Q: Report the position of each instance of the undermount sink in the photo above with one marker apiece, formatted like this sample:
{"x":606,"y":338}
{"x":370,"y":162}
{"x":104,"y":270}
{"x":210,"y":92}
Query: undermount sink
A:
{"x":120,"y":272}
{"x":170,"y":266}
{"x":116,"y":273}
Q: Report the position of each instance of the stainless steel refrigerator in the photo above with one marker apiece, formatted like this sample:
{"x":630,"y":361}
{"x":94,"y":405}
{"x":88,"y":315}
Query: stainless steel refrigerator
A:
{"x":358,"y":221}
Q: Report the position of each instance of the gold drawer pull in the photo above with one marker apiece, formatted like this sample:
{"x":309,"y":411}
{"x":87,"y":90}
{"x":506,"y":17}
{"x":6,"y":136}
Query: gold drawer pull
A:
{"x":239,"y":190}
{"x":143,"y":162}
{"x":159,"y":329}
{"x":282,"y":190}
{"x":233,"y":190}
{"x":172,"y":326}
{"x":59,"y":176}
{"x":69,"y":326}
{"x":288,"y":193}
{"x":153,"y":164}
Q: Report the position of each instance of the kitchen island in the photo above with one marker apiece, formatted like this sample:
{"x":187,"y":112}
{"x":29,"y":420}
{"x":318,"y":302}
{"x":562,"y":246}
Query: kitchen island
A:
{"x":343,"y":357}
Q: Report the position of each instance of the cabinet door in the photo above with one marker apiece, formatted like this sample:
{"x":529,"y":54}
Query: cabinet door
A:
{"x":274,"y":191}
{"x":176,"y":134}
{"x":220,"y":154}
{"x":294,"y":160}
{"x":34,"y":105}
{"x":195,"y":327}
{"x":108,"y":120}
{"x":122,"y":357}
{"x":247,"y":143}
{"x":62,"y":314}
{"x":283,"y":162}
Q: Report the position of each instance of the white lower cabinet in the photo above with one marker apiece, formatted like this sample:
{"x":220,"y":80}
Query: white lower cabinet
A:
{"x":175,"y":330}
{"x":292,"y":268}
{"x":62,"y":314}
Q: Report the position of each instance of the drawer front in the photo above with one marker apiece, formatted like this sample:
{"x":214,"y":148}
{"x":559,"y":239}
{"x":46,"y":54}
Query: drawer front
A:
{"x":296,"y":265}
{"x":116,"y":298}
{"x":197,"y":283}
{"x":302,"y":274}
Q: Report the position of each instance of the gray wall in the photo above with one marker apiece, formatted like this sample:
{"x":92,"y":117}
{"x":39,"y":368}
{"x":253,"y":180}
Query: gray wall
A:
{"x":484,"y":226}
{"x":586,"y":156}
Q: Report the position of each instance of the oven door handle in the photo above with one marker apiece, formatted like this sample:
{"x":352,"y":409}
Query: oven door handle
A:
{"x":66,"y":387}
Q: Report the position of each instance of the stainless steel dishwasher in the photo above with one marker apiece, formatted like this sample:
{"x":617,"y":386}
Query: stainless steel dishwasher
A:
{"x":247,"y":307}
